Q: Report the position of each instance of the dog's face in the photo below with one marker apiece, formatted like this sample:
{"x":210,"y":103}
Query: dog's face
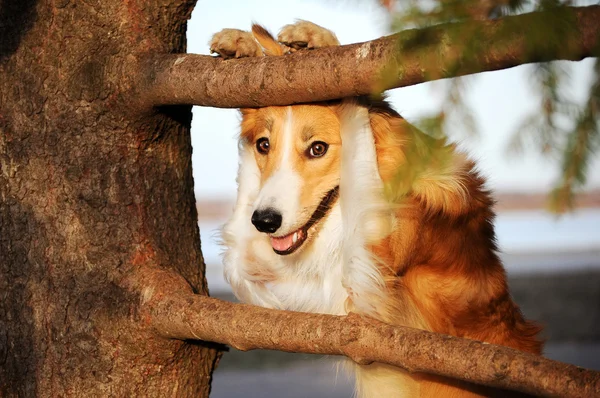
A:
{"x":297,"y":150}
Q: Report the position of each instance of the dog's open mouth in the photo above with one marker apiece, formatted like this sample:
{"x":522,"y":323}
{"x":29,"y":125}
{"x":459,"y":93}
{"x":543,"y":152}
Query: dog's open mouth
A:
{"x":291,"y":242}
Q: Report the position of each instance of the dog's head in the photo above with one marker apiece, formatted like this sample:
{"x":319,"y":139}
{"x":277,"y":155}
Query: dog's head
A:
{"x":297,"y":152}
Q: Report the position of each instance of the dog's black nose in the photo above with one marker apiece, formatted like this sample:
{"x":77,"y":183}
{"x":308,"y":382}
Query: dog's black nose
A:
{"x":268,"y":220}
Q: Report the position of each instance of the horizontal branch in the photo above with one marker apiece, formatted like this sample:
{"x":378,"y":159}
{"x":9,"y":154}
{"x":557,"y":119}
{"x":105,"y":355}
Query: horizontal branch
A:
{"x":365,"y":340}
{"x":407,"y":58}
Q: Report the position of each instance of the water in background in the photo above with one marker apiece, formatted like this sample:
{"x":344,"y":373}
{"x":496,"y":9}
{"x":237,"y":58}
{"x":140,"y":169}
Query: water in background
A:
{"x":530,"y":241}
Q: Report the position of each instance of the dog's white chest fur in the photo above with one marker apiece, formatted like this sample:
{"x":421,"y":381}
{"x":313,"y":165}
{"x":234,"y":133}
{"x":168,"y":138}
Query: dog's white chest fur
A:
{"x":313,"y":282}
{"x":310,"y":281}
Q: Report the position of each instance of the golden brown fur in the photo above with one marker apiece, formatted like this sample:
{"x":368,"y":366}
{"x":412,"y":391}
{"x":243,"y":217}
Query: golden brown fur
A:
{"x":443,"y":253}
{"x":439,"y":263}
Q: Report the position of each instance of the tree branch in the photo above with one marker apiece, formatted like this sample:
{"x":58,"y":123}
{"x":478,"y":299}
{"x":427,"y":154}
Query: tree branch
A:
{"x":365,"y":340}
{"x":407,"y":58}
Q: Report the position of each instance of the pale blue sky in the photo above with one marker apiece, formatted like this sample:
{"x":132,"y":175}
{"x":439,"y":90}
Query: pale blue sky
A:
{"x":499,"y":99}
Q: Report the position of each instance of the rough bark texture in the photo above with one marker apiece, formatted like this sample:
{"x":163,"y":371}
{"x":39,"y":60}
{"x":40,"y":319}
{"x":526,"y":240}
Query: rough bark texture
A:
{"x":369,"y":67}
{"x":89,"y":191}
{"x":364,"y":340}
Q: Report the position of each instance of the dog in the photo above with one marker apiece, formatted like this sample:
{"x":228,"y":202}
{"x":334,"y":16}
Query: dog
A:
{"x":344,"y":206}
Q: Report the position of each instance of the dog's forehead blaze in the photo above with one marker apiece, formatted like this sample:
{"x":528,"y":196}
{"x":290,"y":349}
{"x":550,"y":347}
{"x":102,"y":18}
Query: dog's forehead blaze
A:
{"x":314,"y":122}
{"x":291,"y":130}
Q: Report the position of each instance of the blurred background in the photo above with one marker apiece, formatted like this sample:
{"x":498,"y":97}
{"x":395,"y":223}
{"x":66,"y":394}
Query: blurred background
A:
{"x":553,"y":262}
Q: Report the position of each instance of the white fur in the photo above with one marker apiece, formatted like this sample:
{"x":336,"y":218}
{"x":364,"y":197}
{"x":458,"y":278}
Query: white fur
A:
{"x":366,"y":215}
{"x":282,"y":190}
{"x":240,"y":237}
{"x":238,"y":231}
{"x":367,"y":218}
{"x":312,"y":278}
{"x":379,"y":380}
{"x":336,"y":264}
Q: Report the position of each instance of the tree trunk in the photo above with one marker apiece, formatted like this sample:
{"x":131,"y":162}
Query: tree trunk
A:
{"x":92,"y":190}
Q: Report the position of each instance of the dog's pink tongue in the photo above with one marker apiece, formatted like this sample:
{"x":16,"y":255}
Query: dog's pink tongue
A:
{"x":284,"y":243}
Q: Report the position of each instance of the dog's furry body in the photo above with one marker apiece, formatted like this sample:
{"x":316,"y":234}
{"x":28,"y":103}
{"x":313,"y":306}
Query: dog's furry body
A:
{"x":353,"y":236}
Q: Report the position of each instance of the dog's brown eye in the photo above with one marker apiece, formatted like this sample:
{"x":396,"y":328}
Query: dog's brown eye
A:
{"x":317,"y":149}
{"x":262,"y":145}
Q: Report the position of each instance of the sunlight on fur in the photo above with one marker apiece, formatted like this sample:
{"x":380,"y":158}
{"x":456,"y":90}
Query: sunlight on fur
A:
{"x":343,"y":206}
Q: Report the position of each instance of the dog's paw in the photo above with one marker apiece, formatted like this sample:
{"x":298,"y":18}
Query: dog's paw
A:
{"x":235,"y":43}
{"x":304,"y":34}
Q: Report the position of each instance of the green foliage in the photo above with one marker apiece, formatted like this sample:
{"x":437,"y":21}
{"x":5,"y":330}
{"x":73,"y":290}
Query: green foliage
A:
{"x":425,"y":153}
{"x":453,"y":111}
{"x":562,"y":129}
{"x":583,"y":140}
{"x":559,"y":128}
{"x":542,"y":127}
{"x":420,"y":14}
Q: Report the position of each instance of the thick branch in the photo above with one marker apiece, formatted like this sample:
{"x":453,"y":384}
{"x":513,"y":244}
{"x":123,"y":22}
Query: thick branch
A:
{"x":404,"y":59}
{"x":246,"y":327}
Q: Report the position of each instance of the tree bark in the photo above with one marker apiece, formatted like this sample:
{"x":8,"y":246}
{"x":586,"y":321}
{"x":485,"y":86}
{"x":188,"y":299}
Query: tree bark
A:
{"x":91,"y":189}
{"x":407,"y":58}
{"x":179,"y":314}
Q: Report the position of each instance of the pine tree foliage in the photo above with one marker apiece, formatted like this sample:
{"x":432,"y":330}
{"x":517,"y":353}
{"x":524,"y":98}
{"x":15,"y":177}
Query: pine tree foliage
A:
{"x":561,"y":128}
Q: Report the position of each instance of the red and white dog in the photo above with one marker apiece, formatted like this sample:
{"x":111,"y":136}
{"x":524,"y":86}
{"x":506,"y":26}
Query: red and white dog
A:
{"x":337,"y":211}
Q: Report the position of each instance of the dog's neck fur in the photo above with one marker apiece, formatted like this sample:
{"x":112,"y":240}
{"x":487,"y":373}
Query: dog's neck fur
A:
{"x":312,"y":283}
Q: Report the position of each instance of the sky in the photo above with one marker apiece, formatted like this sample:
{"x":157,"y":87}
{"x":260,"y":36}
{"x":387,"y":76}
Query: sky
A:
{"x":499,"y":99}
